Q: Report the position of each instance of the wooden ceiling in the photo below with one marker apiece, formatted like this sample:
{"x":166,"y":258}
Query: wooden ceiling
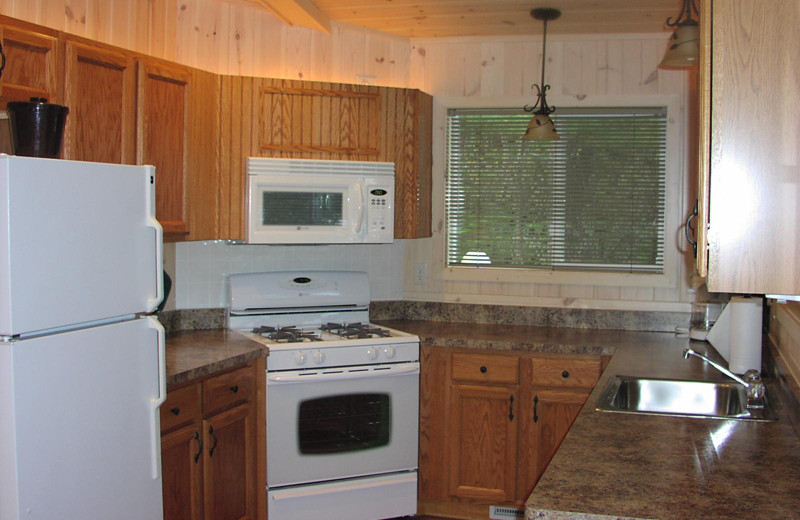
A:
{"x":447,"y":18}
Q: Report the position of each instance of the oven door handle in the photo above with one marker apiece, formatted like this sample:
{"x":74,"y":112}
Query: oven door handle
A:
{"x":339,"y":375}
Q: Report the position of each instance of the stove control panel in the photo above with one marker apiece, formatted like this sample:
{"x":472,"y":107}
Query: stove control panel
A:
{"x":315,"y":358}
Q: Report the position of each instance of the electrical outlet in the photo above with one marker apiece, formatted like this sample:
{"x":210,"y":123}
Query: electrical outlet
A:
{"x":420,"y":274}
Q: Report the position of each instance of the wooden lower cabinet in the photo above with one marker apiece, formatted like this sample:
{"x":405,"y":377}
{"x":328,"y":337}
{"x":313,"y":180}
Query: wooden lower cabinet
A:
{"x":182,"y":473}
{"x":227,"y":462}
{"x":211,"y":448}
{"x":490,"y":422}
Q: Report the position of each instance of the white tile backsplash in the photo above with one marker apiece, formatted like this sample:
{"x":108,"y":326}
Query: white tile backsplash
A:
{"x":198,"y":269}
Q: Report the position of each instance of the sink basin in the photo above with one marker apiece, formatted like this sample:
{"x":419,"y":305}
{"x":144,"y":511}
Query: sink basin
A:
{"x":700,"y":399}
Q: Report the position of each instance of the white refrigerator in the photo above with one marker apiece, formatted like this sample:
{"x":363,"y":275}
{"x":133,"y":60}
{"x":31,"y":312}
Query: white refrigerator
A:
{"x":81,"y":366}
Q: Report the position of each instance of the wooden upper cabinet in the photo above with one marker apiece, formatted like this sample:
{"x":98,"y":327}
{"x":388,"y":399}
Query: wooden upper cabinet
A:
{"x":162,"y":122}
{"x":334,"y":121}
{"x":100,"y":92}
{"x":311,"y":120}
{"x":754,"y":121}
{"x":31,"y":62}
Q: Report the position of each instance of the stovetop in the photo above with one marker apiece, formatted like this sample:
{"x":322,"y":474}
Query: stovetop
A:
{"x":326,"y":332}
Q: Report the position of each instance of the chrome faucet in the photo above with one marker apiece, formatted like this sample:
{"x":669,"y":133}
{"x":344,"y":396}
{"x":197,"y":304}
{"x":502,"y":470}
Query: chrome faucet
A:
{"x":751,"y":382}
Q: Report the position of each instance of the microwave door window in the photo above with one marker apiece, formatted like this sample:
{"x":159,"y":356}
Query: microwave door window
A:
{"x":302,"y":208}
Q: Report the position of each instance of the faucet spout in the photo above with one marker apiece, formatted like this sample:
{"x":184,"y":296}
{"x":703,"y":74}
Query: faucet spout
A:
{"x":755,"y":388}
{"x":689,"y":352}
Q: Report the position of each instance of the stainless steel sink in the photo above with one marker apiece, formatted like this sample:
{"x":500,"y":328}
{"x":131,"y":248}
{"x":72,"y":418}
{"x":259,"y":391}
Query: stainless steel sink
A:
{"x":680,"y":398}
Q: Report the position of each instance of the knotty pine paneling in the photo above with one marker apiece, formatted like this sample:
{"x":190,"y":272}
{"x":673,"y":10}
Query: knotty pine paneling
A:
{"x":226,"y":37}
{"x":577,"y":67}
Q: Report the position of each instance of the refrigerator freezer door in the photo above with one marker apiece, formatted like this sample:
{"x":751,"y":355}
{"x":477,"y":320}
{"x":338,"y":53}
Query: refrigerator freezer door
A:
{"x":78,"y":243}
{"x":77,"y":415}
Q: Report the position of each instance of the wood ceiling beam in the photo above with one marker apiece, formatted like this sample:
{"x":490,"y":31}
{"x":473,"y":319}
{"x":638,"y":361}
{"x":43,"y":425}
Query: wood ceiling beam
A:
{"x":298,"y":12}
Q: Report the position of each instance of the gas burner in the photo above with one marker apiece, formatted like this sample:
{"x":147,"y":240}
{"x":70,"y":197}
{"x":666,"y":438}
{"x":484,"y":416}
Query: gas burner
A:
{"x":355,"y":330}
{"x":286,"y":334}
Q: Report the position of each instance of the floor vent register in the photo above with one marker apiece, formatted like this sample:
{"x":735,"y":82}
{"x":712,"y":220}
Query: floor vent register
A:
{"x":505,"y":513}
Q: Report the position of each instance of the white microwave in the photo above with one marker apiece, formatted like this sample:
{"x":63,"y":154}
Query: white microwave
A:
{"x":304,"y":201}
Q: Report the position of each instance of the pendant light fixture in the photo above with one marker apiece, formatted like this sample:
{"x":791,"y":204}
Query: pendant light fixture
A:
{"x":683,"y":49}
{"x":541,"y":127}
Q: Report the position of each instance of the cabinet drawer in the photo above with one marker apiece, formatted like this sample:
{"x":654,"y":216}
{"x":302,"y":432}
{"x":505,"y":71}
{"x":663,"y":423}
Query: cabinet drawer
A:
{"x":227,"y":389}
{"x":182,"y":405}
{"x":566,"y":372}
{"x":485,"y":368}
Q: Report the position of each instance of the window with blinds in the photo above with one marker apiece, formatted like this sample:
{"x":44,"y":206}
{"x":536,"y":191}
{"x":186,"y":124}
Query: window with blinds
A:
{"x":594,"y":200}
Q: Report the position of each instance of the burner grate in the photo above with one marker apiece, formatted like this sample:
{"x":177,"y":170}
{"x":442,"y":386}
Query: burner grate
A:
{"x":286,"y":334}
{"x":355,"y":330}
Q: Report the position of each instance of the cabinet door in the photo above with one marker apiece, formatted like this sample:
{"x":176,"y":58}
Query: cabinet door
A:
{"x":182,"y":473}
{"x":755,"y":170}
{"x":483,"y":433}
{"x":551,"y":414}
{"x":163,"y":95}
{"x":31,"y":64}
{"x":99,"y":91}
{"x":229,"y":458}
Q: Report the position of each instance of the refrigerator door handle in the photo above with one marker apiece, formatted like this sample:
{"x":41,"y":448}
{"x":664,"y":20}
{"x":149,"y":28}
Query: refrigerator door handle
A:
{"x":156,"y":402}
{"x":152,"y":303}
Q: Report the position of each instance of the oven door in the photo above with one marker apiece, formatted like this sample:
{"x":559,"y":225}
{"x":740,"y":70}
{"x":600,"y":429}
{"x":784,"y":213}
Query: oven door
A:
{"x":305,"y":209}
{"x":342,"y":422}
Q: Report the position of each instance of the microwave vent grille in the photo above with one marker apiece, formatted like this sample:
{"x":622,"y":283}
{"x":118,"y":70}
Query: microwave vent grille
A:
{"x":264,"y":165}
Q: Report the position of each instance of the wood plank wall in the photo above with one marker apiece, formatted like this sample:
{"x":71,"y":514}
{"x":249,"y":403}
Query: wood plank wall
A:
{"x":577,"y":66}
{"x":226,"y":37}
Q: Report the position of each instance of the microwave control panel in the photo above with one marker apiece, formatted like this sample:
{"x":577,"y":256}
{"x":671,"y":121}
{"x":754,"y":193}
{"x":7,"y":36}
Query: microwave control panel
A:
{"x":380,"y":214}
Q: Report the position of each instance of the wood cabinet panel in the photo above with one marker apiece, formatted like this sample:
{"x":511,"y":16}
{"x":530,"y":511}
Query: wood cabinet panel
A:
{"x":31,"y":62}
{"x":182,"y":473}
{"x":754,"y":190}
{"x":162,"y":121}
{"x":556,"y":411}
{"x":307,"y":119}
{"x":181,"y":406}
{"x":565,"y":372}
{"x":484,"y":442}
{"x":100,"y":93}
{"x":485,"y":368}
{"x":228,"y":458}
{"x":227,"y":389}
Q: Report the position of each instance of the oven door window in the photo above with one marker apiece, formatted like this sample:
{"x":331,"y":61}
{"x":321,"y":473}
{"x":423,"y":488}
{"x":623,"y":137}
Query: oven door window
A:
{"x":344,"y":423}
{"x":301,"y":208}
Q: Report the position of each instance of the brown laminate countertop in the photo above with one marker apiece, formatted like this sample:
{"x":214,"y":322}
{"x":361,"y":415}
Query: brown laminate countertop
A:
{"x":628,"y":466}
{"x":195,"y":353}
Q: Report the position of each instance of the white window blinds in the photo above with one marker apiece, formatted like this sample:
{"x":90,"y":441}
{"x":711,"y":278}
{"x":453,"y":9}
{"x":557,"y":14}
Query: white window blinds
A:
{"x":594,"y":200}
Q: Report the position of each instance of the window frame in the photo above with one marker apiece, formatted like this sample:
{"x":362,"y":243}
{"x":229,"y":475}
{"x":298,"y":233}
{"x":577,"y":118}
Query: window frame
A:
{"x":675,"y":183}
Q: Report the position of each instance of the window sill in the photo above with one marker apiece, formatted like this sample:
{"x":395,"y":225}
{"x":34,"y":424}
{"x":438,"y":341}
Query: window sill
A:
{"x":542,"y":276}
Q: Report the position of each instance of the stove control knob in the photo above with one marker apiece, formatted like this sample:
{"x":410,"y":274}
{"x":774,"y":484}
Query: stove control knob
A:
{"x":389,"y":352}
{"x":300,"y":358}
{"x":372,"y":353}
{"x":319,"y":357}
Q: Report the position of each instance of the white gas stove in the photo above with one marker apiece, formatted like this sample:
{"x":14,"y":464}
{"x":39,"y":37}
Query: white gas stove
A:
{"x":339,"y":389}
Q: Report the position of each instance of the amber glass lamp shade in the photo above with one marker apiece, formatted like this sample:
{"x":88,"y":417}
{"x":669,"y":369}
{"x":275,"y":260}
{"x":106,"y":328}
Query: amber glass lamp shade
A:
{"x":541,"y":128}
{"x":683,"y":50}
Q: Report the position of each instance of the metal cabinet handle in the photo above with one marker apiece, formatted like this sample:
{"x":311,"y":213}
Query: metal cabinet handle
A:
{"x":235,"y":388}
{"x":565,"y":374}
{"x":689,"y":230}
{"x":199,"y":446}
{"x":483,"y":370}
{"x":213,"y":446}
{"x":511,"y":407}
{"x":175,"y":411}
{"x":535,"y":403}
